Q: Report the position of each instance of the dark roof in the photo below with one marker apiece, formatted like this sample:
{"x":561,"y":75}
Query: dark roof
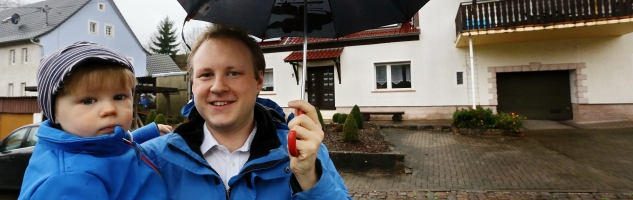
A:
{"x":161,"y":63}
{"x":33,"y":21}
{"x":318,"y":54}
{"x":404,"y":29}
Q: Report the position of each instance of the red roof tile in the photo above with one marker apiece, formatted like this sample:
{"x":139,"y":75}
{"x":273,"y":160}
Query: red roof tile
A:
{"x":314,"y":54}
{"x":404,"y":29}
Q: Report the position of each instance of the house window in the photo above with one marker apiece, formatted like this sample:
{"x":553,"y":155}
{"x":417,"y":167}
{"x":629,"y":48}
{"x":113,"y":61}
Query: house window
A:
{"x":101,"y":6}
{"x":393,"y":76}
{"x":12,"y":56}
{"x":22,"y":89}
{"x":460,"y":78}
{"x":10,"y":90}
{"x":93,"y":28}
{"x":268,"y":81}
{"x":25,"y":55}
{"x":109,"y":31}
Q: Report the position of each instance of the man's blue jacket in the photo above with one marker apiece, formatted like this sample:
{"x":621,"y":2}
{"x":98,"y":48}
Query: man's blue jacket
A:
{"x":266,"y":174}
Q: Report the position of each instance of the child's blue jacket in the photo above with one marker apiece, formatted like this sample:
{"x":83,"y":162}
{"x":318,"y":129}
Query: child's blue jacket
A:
{"x":65,"y":166}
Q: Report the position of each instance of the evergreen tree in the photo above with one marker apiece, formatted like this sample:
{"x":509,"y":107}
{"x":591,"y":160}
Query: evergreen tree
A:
{"x":165,"y":40}
{"x":320,"y":119}
{"x":357,"y":116}
{"x":350,"y":131}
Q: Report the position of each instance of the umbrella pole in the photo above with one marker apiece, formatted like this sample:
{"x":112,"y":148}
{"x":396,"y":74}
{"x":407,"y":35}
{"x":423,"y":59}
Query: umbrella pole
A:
{"x":305,"y":48}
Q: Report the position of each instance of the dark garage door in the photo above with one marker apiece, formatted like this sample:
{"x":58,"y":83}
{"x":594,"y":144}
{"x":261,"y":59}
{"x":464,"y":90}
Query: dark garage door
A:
{"x":536,"y":95}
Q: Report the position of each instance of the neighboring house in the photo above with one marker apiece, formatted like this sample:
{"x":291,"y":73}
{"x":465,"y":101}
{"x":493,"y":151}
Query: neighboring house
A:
{"x":559,"y":62}
{"x":39,"y":33}
{"x":168,"y":77}
{"x":46,"y":26}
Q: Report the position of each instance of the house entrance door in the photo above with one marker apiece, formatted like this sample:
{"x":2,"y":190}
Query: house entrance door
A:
{"x":321,"y":87}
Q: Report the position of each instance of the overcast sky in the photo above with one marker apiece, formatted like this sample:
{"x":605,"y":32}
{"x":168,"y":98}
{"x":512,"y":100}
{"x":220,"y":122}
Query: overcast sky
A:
{"x":144,"y":15}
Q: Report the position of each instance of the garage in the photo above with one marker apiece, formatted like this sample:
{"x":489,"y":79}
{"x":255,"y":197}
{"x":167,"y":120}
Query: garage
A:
{"x":16,"y":112}
{"x":536,"y":95}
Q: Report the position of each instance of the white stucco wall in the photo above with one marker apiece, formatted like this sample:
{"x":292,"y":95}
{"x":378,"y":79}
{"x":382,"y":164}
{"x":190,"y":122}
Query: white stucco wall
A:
{"x":435,"y":61}
{"x":19,"y":72}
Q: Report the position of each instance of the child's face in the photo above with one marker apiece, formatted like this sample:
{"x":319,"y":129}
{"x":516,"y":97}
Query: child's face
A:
{"x":94,"y":113}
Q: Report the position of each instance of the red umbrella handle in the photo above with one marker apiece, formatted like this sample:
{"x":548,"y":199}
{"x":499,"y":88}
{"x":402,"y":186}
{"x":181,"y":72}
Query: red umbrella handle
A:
{"x":292,"y":138}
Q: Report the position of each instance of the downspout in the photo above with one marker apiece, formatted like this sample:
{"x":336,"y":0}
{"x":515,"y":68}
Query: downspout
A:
{"x":41,"y":47}
{"x":472,"y":70}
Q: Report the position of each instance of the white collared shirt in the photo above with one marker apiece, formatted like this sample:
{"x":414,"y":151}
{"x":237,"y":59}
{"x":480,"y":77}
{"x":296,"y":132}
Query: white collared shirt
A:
{"x":226,"y":164}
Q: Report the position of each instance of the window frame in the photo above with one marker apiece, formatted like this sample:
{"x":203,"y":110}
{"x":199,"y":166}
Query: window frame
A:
{"x":96,"y":31}
{"x":388,"y":71}
{"x":10,"y":90}
{"x":269,"y":70}
{"x":12,"y":57}
{"x":101,"y":7}
{"x":105,"y":31}
{"x":25,"y":55}
{"x":23,"y":89}
{"x":463,"y":78}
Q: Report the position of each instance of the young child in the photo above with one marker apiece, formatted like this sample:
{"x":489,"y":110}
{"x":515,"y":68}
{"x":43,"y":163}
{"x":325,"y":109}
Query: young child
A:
{"x":84,"y":150}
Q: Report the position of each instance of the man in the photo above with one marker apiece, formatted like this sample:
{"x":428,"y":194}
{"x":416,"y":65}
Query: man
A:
{"x":233,"y":148}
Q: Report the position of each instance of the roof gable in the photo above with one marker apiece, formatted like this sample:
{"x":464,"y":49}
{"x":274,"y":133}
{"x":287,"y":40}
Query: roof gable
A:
{"x":33,"y":21}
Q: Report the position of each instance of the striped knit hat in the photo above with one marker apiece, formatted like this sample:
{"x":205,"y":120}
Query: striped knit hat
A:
{"x":56,"y":67}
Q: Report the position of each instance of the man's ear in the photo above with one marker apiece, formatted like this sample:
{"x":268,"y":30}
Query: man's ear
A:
{"x":260,"y":80}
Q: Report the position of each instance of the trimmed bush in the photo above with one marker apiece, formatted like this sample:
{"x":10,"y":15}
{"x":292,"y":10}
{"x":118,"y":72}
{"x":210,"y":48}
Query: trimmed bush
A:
{"x":150,"y":117}
{"x":160,"y":119}
{"x":341,"y":118}
{"x":357,"y":116}
{"x":320,"y":118}
{"x":485,"y":119}
{"x":350,"y":130}
{"x":335,"y":117}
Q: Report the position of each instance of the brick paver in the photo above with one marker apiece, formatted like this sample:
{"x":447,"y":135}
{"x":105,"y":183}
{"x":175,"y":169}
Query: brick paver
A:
{"x":546,"y":160}
{"x":480,"y":195}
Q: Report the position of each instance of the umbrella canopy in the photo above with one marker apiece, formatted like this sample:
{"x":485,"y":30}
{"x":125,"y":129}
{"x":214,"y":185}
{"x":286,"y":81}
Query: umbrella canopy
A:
{"x":285,"y":18}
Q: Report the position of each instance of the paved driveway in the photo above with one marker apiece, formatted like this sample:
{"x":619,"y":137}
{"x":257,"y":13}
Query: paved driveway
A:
{"x":561,"y":160}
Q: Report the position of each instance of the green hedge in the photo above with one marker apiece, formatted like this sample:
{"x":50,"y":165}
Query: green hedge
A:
{"x":357,"y":116}
{"x":150,"y":117}
{"x":485,"y":119}
{"x":350,"y":130}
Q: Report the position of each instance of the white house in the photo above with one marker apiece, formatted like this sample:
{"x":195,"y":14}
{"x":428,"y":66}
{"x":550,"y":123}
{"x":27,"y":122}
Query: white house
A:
{"x":541,"y":59}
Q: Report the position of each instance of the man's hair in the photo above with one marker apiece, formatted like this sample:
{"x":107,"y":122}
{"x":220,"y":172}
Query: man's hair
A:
{"x":94,"y":76}
{"x":219,"y":31}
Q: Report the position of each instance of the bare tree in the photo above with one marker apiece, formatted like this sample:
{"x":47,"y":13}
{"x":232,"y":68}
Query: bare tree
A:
{"x":6,"y":4}
{"x":190,"y":38}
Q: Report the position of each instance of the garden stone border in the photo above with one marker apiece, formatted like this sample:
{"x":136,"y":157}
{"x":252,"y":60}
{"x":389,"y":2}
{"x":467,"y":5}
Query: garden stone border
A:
{"x":388,"y":162}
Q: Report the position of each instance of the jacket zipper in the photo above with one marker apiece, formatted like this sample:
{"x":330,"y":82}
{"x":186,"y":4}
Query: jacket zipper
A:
{"x":228,"y":194}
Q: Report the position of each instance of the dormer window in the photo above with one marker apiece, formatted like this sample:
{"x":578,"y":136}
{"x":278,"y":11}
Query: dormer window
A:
{"x":101,"y":6}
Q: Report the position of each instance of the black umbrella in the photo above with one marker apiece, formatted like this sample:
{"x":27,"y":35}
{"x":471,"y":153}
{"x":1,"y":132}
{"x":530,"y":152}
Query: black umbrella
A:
{"x":302,"y":18}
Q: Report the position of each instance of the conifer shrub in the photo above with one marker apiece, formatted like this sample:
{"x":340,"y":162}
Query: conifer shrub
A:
{"x":320,"y":118}
{"x":335,"y":117}
{"x":357,"y":116}
{"x":160,"y":119}
{"x":350,"y":130}
{"x":150,"y":117}
{"x":342,"y":118}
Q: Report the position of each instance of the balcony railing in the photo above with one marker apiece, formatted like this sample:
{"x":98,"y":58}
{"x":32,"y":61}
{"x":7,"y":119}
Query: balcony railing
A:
{"x":507,"y":14}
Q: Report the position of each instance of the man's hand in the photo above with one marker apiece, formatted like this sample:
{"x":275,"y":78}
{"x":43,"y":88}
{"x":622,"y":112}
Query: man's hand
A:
{"x":309,"y":138}
{"x":164,"y":129}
